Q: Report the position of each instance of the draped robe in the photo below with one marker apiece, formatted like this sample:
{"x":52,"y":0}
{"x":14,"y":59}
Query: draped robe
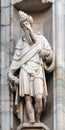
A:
{"x":32,"y":71}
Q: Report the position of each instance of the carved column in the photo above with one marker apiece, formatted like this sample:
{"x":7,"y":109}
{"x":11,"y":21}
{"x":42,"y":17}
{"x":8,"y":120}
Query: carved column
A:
{"x":5,"y":42}
{"x":59,"y":74}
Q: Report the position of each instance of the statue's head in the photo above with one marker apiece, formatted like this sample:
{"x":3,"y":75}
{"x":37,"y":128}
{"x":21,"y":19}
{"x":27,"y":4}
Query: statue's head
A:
{"x":24,"y":17}
{"x":26,"y":22}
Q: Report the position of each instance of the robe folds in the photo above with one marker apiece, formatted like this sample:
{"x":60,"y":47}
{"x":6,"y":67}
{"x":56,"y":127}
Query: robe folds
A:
{"x":32,"y":79}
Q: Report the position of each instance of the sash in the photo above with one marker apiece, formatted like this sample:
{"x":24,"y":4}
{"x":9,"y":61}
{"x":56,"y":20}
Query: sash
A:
{"x":29,"y":55}
{"x":26,"y":57}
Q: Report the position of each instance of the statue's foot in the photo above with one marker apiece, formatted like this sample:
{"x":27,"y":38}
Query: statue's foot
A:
{"x":38,"y":121}
{"x":32,"y":121}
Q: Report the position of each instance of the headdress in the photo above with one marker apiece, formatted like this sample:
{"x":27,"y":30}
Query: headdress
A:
{"x":25,"y":17}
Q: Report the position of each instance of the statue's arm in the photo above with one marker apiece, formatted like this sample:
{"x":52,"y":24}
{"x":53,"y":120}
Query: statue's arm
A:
{"x":47,"y":51}
{"x":14,"y":65}
{"x":48,"y":55}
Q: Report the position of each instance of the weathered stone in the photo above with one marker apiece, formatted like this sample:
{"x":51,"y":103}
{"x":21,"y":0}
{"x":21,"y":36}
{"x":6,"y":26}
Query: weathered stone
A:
{"x":5,"y":13}
{"x":36,"y":126}
{"x":5,"y":3}
{"x":5,"y":36}
{"x":43,"y":21}
{"x":33,"y":112}
{"x":5,"y":120}
{"x":28,"y":6}
{"x":59,"y":74}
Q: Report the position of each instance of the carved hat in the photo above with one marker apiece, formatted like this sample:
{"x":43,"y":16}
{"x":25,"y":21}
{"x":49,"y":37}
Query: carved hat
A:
{"x":25,"y":17}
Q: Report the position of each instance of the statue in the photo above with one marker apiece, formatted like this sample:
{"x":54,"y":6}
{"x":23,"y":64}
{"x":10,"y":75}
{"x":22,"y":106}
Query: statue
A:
{"x":33,"y":56}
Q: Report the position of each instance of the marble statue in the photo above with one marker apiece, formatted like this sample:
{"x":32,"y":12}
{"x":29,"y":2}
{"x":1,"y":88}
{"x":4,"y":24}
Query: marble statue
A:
{"x":33,"y":56}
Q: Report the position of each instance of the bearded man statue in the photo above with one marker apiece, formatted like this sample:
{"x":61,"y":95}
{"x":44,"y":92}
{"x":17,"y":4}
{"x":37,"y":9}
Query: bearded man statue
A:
{"x":33,"y":56}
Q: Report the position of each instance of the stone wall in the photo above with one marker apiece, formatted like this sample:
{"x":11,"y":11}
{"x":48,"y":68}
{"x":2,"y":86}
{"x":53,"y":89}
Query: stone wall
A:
{"x":5,"y":42}
{"x":0,"y":66}
{"x":59,"y":74}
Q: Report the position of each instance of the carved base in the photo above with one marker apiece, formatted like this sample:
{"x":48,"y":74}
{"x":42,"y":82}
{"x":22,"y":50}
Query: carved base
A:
{"x":35,"y":126}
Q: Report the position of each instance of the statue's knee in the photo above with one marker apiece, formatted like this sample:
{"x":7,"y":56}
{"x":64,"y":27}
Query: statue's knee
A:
{"x":27,"y":98}
{"x":38,"y":97}
{"x":38,"y":105}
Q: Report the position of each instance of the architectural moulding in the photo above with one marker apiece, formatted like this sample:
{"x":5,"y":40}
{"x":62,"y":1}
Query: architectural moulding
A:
{"x":27,"y":6}
{"x":46,"y":1}
{"x":43,"y":1}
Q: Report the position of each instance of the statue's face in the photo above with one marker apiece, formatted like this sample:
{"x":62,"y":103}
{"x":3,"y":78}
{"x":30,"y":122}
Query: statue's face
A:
{"x":28,"y":32}
{"x":27,"y":25}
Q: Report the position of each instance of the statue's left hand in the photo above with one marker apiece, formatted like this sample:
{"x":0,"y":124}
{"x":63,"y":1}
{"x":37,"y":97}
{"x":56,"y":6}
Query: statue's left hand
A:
{"x":49,"y":59}
{"x":43,"y":52}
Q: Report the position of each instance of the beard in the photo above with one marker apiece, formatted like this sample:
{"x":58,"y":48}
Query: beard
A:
{"x":29,"y":36}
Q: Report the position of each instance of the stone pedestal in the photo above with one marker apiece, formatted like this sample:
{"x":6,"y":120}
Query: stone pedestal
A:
{"x":36,"y":126}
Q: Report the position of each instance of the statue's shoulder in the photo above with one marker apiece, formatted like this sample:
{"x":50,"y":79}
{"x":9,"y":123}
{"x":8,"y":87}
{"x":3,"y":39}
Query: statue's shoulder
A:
{"x":38,"y":35}
{"x":41,"y":36}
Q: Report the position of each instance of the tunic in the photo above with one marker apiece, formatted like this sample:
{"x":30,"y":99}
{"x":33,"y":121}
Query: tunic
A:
{"x":32,"y":72}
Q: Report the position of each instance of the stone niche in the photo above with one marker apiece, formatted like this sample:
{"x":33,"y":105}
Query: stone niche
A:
{"x":32,"y":6}
{"x":42,"y":15}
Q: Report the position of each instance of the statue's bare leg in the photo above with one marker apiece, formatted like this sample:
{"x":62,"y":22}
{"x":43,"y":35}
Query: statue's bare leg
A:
{"x":38,"y":106}
{"x":29,"y":109}
{"x":21,"y":112}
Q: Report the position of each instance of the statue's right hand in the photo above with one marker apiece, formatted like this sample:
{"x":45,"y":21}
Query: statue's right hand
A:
{"x":16,"y":81}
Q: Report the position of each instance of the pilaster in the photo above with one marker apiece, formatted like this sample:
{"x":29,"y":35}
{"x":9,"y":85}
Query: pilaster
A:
{"x":5,"y":42}
{"x":59,"y":74}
